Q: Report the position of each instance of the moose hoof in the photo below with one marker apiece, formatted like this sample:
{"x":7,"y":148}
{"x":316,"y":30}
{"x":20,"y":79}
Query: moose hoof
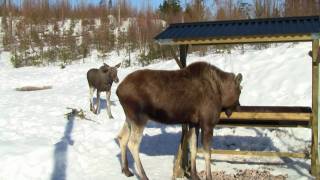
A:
{"x":127,"y":172}
{"x":111,"y":117}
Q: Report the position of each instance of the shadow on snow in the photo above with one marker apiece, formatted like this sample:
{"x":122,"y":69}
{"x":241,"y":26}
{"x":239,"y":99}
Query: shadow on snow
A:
{"x":103,"y":103}
{"x":61,"y":152}
{"x":167,"y":143}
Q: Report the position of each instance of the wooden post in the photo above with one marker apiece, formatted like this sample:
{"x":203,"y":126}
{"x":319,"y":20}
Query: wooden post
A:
{"x":183,"y":54}
{"x":181,"y":163}
{"x":180,"y":166}
{"x":315,"y":109}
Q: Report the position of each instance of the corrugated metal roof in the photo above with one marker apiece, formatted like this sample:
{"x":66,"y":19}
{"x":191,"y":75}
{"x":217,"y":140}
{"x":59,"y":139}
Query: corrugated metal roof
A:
{"x":251,"y":27}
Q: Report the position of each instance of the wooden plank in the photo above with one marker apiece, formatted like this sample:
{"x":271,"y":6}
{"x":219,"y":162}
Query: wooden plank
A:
{"x":241,"y":40}
{"x":256,"y":153}
{"x":258,"y":125}
{"x":268,"y":116}
{"x":315,"y":109}
{"x":263,"y":124}
{"x":278,"y":109}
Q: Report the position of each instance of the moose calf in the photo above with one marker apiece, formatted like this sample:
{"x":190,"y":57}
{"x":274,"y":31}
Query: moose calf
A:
{"x":101,"y":80}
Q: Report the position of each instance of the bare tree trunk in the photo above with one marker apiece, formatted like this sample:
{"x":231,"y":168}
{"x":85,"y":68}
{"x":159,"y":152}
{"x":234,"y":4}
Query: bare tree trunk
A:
{"x":119,"y":26}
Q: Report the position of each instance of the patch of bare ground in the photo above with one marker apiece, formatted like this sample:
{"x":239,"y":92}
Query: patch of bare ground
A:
{"x":247,"y":174}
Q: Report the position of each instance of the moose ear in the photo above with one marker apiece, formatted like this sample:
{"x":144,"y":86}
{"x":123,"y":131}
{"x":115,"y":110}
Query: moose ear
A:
{"x":118,"y":65}
{"x":104,"y":64}
{"x":239,"y":78}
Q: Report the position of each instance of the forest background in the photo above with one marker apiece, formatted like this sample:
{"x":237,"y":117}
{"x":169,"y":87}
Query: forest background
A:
{"x":43,"y":32}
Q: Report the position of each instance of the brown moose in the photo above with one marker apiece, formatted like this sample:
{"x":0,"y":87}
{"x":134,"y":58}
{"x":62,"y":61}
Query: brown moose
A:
{"x":101,"y":80}
{"x":195,"y":95}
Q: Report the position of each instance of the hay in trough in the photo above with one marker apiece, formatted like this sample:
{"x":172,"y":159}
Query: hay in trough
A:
{"x":33,"y":88}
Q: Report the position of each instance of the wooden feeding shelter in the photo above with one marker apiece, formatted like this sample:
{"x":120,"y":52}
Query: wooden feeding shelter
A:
{"x":270,"y":30}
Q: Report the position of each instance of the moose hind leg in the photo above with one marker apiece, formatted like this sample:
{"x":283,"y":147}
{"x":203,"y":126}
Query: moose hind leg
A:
{"x":108,"y":93}
{"x":206,"y":141}
{"x":134,"y":146}
{"x":123,"y":139}
{"x":193,"y":152}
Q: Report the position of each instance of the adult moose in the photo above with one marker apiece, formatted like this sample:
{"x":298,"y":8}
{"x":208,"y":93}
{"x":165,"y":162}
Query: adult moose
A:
{"x":195,"y":95}
{"x":101,"y":80}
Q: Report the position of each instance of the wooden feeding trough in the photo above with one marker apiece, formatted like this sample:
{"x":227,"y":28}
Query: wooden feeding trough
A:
{"x":271,"y":30}
{"x":268,"y":116}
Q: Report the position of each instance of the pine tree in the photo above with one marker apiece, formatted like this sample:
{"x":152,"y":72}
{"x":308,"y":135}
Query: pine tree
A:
{"x":170,"y":6}
{"x":170,"y":10}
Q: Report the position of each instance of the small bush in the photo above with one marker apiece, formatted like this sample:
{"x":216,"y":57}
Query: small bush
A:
{"x":16,"y":61}
{"x":148,"y":58}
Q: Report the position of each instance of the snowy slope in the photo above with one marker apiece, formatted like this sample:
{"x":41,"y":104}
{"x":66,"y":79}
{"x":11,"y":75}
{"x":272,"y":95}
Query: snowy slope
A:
{"x":37,"y":141}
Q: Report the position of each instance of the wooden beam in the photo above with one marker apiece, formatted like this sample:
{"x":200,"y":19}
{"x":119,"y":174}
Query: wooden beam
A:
{"x":315,"y":110}
{"x":242,"y":40}
{"x":256,"y":153}
{"x":175,"y":57}
{"x":262,"y":123}
{"x":268,"y":116}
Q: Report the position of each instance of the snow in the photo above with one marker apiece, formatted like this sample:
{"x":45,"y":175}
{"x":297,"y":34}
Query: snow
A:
{"x":38,"y":142}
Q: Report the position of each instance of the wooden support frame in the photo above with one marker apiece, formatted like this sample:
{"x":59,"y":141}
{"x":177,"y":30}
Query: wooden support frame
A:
{"x":315,"y":169}
{"x":280,"y":116}
{"x":310,"y":119}
{"x":256,"y":153}
{"x":268,"y":116}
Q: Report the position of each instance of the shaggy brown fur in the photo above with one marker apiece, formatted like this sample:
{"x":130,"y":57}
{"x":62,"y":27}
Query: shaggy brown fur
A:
{"x":194,"y":95}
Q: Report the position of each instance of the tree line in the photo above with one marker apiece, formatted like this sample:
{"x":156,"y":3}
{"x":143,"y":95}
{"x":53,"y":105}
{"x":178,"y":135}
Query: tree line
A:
{"x":41,"y":32}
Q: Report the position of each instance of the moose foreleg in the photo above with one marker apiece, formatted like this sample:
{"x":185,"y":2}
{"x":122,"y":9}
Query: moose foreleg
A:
{"x":108,"y":93}
{"x":98,"y":102}
{"x":91,"y":91}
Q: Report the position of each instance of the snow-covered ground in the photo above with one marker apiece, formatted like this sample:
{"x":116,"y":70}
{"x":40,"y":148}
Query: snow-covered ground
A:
{"x":38,"y":142}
